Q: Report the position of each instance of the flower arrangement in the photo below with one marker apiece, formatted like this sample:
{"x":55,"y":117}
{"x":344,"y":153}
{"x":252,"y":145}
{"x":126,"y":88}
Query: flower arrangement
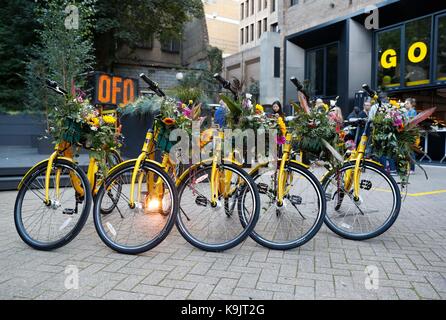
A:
{"x":395,"y":136}
{"x":316,"y":131}
{"x":81,"y":124}
{"x":244,"y":114}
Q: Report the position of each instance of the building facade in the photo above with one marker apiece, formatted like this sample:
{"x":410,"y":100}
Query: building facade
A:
{"x":258,"y":37}
{"x":336,"y":46}
{"x":223,"y":21}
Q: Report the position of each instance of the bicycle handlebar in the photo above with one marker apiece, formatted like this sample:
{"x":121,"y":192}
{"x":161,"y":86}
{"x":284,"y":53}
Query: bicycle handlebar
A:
{"x":53,"y":85}
{"x":152,"y":85}
{"x":226,"y":84}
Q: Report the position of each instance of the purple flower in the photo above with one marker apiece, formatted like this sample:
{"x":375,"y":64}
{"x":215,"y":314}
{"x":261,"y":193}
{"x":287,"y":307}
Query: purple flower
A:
{"x":187,"y":112}
{"x":280,"y":140}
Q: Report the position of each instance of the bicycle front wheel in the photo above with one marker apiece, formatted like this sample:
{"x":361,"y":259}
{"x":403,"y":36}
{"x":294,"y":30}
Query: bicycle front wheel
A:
{"x":301,"y":215}
{"x":217,"y":228}
{"x":373,"y":213}
{"x":139,"y":228}
{"x":51,"y":225}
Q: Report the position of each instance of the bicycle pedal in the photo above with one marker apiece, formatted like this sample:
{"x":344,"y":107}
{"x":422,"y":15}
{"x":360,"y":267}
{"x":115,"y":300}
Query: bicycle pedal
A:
{"x":296,"y":200}
{"x":262,"y":187}
{"x":201,"y":201}
{"x":69,"y":212}
{"x":366,"y":185}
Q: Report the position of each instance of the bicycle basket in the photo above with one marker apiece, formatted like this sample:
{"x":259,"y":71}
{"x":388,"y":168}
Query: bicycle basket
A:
{"x":162,"y":138}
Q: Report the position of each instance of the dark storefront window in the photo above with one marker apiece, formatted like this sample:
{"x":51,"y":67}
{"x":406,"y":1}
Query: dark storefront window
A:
{"x":316,"y":71}
{"x":441,"y":49}
{"x":332,"y":70}
{"x":389,"y":53}
{"x":418,"y":42}
{"x":322,"y":70}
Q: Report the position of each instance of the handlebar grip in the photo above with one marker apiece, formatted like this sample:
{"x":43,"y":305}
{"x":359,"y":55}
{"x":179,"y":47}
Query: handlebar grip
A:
{"x":53,"y":85}
{"x":296,"y":82}
{"x":153,"y":85}
{"x":370,"y":92}
{"x":225,"y":83}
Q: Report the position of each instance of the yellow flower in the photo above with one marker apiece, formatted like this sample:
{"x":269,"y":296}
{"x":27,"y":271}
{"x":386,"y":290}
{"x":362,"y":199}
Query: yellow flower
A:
{"x":282,"y":126}
{"x":395,"y":104}
{"x":191,"y":102}
{"x":94,"y":121}
{"x":109,"y":119}
{"x":259,"y":109}
{"x":326,"y":107}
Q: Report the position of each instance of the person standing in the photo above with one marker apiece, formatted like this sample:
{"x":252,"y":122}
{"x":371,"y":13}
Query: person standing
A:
{"x":220,"y":114}
{"x":410,"y":105}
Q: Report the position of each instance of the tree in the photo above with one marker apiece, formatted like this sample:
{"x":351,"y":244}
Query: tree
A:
{"x":64,"y":50}
{"x":131,"y":22}
{"x":16,"y":35}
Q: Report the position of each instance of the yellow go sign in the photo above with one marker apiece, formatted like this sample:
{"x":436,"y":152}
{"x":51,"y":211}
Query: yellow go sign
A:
{"x":417,"y":53}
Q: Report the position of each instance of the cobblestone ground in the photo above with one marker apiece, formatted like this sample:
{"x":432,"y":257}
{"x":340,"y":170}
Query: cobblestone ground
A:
{"x":410,"y":260}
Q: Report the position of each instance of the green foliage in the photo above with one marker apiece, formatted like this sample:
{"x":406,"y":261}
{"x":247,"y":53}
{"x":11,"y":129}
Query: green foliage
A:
{"x":17,"y":33}
{"x":62,"y":54}
{"x":186,"y":94}
{"x":309,"y":130}
{"x":134,"y":21}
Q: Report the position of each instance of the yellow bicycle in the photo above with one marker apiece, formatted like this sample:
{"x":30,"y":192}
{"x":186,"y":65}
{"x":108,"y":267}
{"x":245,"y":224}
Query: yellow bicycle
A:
{"x":364,"y":200}
{"x":54,"y":197}
{"x":208,"y":194}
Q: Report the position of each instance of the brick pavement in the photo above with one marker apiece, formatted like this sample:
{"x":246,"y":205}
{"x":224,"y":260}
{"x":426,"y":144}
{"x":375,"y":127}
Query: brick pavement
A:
{"x":410,"y":259}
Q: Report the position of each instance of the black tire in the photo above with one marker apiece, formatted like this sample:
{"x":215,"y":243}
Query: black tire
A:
{"x":98,"y":216}
{"x":34,"y":177}
{"x":315,"y":227}
{"x":246,"y":229}
{"x":389,"y":220}
{"x":114,"y":160}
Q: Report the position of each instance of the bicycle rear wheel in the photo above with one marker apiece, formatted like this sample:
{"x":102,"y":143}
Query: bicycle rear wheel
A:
{"x":374,"y":213}
{"x":113,"y":159}
{"x":47,"y":226}
{"x":217,"y":228}
{"x":133,"y":230}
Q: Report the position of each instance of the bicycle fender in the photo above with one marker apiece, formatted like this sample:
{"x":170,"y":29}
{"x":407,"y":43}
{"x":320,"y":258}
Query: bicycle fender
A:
{"x":35,"y":166}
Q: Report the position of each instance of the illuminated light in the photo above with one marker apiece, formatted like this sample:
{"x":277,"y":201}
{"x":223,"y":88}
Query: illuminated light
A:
{"x":152,"y":205}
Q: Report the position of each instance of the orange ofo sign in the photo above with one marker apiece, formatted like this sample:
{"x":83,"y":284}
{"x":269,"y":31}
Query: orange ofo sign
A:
{"x":115,"y":90}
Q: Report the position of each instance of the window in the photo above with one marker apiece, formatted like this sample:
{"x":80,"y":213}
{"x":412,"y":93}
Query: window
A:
{"x":265,"y":25}
{"x":275,"y":27}
{"x":273,"y":5}
{"x":242,"y":36}
{"x":389,"y":53}
{"x":265,"y":4}
{"x":331,"y":88}
{"x":441,"y":49}
{"x":259,"y":5}
{"x":252,"y":6}
{"x":418,"y":39}
{"x":146,"y":43}
{"x":247,"y":8}
{"x":172,"y":46}
{"x":322,"y":70}
{"x":276,"y":62}
{"x":252,"y":32}
{"x":259,"y":28}
{"x":246,"y":34}
{"x":242,"y":11}
{"x":294,"y":2}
